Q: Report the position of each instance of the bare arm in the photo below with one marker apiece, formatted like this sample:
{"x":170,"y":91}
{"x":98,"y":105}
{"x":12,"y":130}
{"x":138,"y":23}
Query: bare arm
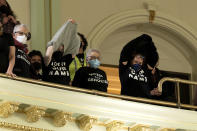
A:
{"x":48,"y":55}
{"x":11,"y":62}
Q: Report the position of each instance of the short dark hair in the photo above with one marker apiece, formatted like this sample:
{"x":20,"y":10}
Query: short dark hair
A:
{"x":35,"y":53}
{"x":84,"y":41}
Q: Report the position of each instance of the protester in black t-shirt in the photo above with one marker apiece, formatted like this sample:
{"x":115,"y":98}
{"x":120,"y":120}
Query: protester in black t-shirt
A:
{"x":22,"y":64}
{"x":37,"y":61}
{"x":135,"y":81}
{"x":60,"y":52}
{"x":7,"y":52}
{"x":58,"y":69}
{"x":91,"y":77}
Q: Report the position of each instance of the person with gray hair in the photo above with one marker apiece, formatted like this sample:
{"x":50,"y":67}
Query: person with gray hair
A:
{"x":21,"y":35}
{"x":91,"y":77}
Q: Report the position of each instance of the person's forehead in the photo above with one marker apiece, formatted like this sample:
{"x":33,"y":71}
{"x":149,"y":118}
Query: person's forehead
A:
{"x":23,"y":29}
{"x":36,"y":57}
{"x":94,"y":53}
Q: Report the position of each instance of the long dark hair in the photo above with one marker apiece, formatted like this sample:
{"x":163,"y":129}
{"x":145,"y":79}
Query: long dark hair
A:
{"x":10,"y":9}
{"x":84,"y":41}
{"x":6,"y":9}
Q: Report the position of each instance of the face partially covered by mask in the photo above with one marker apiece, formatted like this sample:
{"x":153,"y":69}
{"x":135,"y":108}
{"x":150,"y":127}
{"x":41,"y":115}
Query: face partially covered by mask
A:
{"x":22,"y":39}
{"x":21,"y":34}
{"x":94,"y":63}
{"x":36,"y":61}
{"x":137,"y":62}
{"x":93,"y":59}
{"x":37,"y":66}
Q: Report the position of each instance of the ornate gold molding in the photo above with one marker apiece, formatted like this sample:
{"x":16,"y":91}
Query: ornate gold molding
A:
{"x":140,"y":128}
{"x":34,"y":113}
{"x":166,"y":129}
{"x":85,"y":122}
{"x":114,"y":126}
{"x":8,"y":108}
{"x":20,"y":127}
{"x":60,"y":118}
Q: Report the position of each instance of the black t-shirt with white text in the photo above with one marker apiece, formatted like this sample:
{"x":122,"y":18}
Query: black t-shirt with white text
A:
{"x":135,"y":83}
{"x":58,"y":70}
{"x":6,"y":40}
{"x":22,"y":64}
{"x":91,"y":78}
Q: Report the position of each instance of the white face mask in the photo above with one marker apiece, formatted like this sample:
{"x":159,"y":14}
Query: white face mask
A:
{"x":22,"y":39}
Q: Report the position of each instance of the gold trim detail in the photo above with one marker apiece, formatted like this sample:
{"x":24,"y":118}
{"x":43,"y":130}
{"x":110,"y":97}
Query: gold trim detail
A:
{"x":34,"y":113}
{"x":140,"y":128}
{"x":114,"y":126}
{"x":20,"y":127}
{"x":165,"y":129}
{"x":60,"y":118}
{"x":8,"y":108}
{"x":85,"y":122}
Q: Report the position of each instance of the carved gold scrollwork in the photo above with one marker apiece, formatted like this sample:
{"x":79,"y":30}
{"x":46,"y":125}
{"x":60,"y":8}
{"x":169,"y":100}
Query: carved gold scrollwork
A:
{"x":20,"y":127}
{"x":140,"y":128}
{"x":165,"y":129}
{"x":85,"y":122}
{"x":8,"y":108}
{"x":34,"y":113}
{"x":114,"y":126}
{"x":60,"y":118}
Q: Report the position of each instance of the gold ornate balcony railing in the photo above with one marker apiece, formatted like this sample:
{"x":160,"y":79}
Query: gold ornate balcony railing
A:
{"x":61,"y":117}
{"x":137,"y":99}
{"x":177,"y":82}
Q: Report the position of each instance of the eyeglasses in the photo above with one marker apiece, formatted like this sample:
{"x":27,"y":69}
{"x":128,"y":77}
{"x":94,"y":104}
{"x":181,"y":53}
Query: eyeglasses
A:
{"x":93,"y":57}
{"x":28,"y":35}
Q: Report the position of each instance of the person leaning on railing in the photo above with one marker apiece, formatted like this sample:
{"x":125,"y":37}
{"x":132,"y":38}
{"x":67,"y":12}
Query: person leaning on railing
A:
{"x":91,"y":77}
{"x":7,"y":52}
{"x":21,"y":35}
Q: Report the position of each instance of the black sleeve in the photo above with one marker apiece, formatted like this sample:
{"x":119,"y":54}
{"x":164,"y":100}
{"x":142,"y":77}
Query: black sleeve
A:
{"x":105,"y":78}
{"x":77,"y":78}
{"x":10,"y":39}
{"x":126,"y":52}
{"x":145,"y":90}
{"x":68,"y":58}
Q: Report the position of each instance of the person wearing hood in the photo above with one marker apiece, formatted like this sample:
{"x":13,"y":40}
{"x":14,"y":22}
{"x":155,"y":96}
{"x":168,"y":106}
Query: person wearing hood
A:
{"x":21,"y":35}
{"x":60,"y":52}
{"x":91,"y":77}
{"x":133,"y":62}
{"x":7,"y":52}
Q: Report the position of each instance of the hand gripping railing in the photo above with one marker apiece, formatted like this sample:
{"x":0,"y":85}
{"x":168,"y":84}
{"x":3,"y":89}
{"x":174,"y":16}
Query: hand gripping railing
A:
{"x":94,"y":92}
{"x":177,"y":82}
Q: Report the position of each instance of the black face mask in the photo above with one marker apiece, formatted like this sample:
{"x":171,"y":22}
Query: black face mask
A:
{"x":37,"y":66}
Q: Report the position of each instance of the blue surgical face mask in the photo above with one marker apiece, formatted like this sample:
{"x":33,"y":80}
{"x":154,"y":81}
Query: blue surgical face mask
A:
{"x":136,"y":67}
{"x":95,"y":63}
